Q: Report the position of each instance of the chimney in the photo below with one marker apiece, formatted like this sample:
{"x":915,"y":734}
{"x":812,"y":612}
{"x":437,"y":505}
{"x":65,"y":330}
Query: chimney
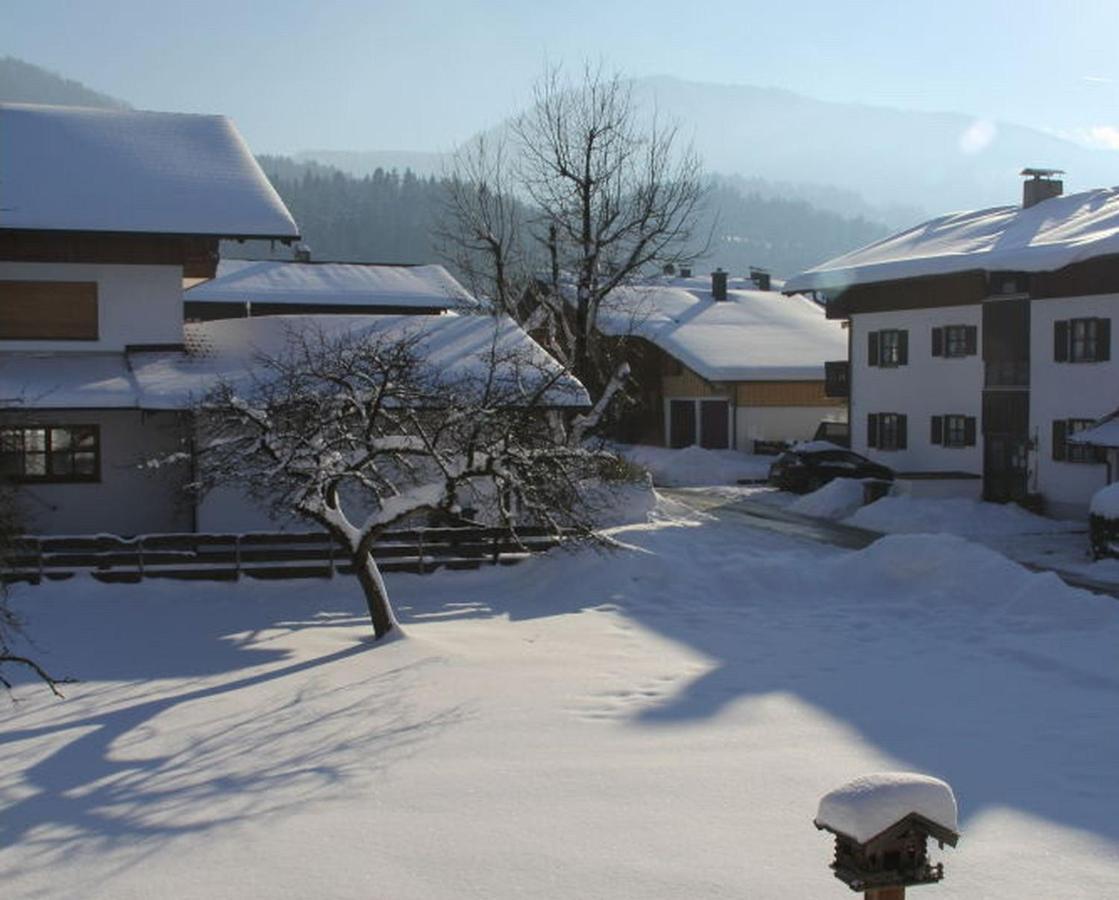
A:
{"x":760,"y":277}
{"x":1041,"y":185}
{"x":719,"y":286}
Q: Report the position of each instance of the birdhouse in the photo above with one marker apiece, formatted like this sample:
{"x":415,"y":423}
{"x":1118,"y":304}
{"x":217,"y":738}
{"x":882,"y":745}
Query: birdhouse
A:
{"x":882,"y":825}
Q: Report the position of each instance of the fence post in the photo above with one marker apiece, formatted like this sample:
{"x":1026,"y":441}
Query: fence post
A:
{"x":237,"y":554}
{"x":140,"y":555}
{"x":420,"y":560}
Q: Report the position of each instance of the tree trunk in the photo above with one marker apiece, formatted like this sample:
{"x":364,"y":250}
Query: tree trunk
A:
{"x":376,"y":597}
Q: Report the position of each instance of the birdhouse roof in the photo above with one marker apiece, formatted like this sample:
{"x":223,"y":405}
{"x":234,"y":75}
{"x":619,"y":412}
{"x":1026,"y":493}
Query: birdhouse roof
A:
{"x":864,"y":808}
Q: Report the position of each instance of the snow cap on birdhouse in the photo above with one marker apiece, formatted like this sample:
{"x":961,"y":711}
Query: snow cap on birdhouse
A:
{"x":882,"y":824}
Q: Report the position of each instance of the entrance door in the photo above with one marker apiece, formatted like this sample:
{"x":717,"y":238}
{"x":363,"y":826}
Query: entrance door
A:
{"x":681,"y":423}
{"x":714,"y":430}
{"x":1006,"y":417}
{"x":1005,"y":467}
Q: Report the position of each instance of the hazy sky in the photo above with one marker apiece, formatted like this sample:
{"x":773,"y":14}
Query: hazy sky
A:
{"x":423,"y":74}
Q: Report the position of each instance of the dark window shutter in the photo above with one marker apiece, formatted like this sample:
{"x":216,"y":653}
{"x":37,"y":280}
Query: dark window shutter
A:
{"x":1060,"y":449}
{"x":1060,"y":341}
{"x":971,"y":340}
{"x":903,"y":348}
{"x":937,"y":430}
{"x":872,"y":430}
{"x":872,"y":348}
{"x":902,"y":442}
{"x":969,"y":431}
{"x":938,"y":342}
{"x":1103,"y":340}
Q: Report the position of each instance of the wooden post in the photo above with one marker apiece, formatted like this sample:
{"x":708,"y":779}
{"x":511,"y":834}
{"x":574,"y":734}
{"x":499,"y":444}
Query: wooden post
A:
{"x":885,"y":893}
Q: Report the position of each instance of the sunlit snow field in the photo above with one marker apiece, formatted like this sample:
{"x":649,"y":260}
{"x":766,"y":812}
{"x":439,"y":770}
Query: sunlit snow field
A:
{"x":655,"y":722}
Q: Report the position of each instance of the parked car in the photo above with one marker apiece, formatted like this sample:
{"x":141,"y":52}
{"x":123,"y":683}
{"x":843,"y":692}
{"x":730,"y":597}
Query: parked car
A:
{"x":808,"y":467}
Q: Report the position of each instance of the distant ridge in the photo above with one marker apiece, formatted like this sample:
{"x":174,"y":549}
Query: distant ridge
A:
{"x":360,"y":163}
{"x":22,"y":82}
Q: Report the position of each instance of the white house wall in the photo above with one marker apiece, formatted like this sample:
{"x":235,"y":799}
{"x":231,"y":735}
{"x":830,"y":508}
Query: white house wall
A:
{"x":1068,"y":390}
{"x":927,"y":386}
{"x":228,"y":510}
{"x":130,"y":498}
{"x":781,"y":423}
{"x":135,"y":304}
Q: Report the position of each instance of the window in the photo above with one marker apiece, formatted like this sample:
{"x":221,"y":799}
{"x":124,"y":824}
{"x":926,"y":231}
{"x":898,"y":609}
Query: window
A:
{"x":48,"y":311}
{"x":890,"y":353}
{"x":1082,"y":340}
{"x":953,"y":431}
{"x":886,"y":431}
{"x":888,"y":348}
{"x":1064,"y":451}
{"x":51,"y":453}
{"x":960,"y":340}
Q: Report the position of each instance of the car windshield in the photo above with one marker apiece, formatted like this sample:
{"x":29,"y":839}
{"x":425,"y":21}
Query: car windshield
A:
{"x":838,"y":458}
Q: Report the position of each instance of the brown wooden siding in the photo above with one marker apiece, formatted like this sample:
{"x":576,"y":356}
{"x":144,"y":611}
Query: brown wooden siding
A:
{"x":914,"y":293}
{"x":1091,"y":277}
{"x":689,"y":384}
{"x":48,"y":310}
{"x":197,"y":255}
{"x":783,"y":393}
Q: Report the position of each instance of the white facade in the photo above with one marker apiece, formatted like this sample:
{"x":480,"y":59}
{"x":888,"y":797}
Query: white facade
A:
{"x":1068,"y":390}
{"x":135,"y":304}
{"x":781,"y":423}
{"x":129,"y":497}
{"x":926,"y":386}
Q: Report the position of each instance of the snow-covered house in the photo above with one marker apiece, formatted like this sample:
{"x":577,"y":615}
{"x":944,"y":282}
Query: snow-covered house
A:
{"x":274,"y":287}
{"x":105,"y":218}
{"x":980,"y":341}
{"x":724,"y":368}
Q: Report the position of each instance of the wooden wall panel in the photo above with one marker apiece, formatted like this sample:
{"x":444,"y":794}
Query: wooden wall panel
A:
{"x":783,"y":393}
{"x":48,"y":310}
{"x":689,"y":384}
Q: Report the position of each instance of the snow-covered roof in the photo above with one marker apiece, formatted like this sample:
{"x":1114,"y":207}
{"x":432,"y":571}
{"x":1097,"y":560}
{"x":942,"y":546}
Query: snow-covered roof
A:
{"x":67,"y":168}
{"x":1105,"y":433}
{"x":751,"y":335}
{"x":1044,"y":237}
{"x":867,"y":806}
{"x":457,"y":346}
{"x":272,"y":281}
{"x":453,"y":345}
{"x":67,"y":381}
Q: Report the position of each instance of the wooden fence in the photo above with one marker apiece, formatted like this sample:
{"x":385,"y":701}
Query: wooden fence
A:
{"x":226,"y":557}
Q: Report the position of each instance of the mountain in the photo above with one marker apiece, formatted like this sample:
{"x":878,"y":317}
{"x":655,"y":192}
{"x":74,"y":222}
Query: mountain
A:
{"x":392,"y":216}
{"x":891,"y":158}
{"x":21,"y":82}
{"x":896,"y":166}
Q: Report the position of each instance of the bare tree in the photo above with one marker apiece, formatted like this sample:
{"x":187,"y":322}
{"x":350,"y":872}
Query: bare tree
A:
{"x":11,"y":625}
{"x":356,"y":432}
{"x":612,"y":194}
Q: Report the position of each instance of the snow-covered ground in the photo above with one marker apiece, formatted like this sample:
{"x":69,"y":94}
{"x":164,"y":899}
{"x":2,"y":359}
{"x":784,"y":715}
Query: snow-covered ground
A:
{"x":656,"y":722}
{"x":695,"y":465}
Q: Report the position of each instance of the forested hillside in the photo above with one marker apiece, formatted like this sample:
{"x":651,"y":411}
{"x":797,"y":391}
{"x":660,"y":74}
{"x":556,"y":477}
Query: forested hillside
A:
{"x":392,"y":217}
{"x":22,"y":82}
